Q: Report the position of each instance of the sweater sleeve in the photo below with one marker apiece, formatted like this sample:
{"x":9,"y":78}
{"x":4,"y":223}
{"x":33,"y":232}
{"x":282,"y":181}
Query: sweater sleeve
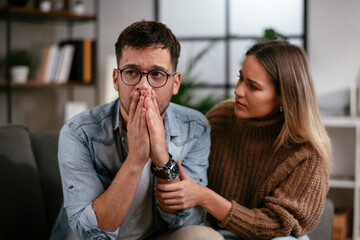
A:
{"x":294,"y":206}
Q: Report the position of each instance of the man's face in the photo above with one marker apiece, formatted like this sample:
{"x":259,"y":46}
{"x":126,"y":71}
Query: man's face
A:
{"x":146,"y":59}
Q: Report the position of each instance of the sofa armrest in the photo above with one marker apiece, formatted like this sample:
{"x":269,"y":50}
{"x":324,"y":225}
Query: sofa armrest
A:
{"x":45,"y":148}
{"x":22,"y":207}
{"x":324,"y":229}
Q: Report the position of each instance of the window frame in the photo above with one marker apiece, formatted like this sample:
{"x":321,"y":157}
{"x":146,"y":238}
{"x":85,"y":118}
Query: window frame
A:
{"x":227,"y":85}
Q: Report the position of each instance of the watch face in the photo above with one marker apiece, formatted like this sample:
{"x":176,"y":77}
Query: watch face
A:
{"x":169,"y":172}
{"x":174,"y":172}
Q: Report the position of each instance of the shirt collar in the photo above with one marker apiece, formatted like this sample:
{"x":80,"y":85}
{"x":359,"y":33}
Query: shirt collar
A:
{"x":117,"y":120}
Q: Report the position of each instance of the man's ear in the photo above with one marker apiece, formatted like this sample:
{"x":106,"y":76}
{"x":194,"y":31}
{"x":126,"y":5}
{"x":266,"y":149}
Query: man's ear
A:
{"x":116,"y":79}
{"x":177,"y":81}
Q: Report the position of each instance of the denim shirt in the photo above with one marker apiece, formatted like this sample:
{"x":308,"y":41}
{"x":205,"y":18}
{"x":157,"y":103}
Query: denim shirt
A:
{"x":92,"y":150}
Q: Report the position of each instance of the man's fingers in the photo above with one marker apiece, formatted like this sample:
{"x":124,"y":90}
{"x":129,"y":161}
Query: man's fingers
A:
{"x":139,"y":109}
{"x":153,"y":98}
{"x":143,"y":119}
{"x":133,"y":105}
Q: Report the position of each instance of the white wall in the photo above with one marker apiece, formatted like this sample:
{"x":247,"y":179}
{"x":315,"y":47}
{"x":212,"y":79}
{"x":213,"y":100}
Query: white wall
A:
{"x":334,"y":48}
{"x":116,"y":15}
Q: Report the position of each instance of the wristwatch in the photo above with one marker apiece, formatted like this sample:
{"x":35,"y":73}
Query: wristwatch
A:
{"x":169,"y":171}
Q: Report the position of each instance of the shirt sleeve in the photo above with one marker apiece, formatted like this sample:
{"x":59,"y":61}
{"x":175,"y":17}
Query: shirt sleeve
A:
{"x":195,"y":164}
{"x":81,"y":186}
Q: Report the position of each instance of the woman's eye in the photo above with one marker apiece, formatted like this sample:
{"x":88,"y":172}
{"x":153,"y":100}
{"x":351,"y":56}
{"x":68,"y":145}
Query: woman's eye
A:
{"x":252,"y":87}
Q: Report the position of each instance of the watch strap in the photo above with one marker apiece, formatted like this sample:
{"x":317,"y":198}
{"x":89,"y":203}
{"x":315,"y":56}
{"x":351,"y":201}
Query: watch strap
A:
{"x":169,"y":171}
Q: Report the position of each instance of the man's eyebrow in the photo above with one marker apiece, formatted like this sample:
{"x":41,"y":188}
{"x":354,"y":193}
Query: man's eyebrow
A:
{"x":130,"y":65}
{"x":152,"y":67}
{"x":157,"y":67}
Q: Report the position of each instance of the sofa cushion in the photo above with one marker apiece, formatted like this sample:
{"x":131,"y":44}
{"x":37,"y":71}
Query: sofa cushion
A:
{"x":45,"y":148}
{"x":324,"y":229}
{"x":22,"y":214}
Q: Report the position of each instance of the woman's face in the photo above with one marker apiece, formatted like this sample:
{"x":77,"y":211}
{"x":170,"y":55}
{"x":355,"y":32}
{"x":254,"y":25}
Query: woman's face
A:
{"x":255,"y":95}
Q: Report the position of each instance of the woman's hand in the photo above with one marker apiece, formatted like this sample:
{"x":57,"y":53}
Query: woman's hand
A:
{"x":181,"y":195}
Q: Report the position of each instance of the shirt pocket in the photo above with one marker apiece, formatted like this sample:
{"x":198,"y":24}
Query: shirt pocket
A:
{"x":106,"y":160}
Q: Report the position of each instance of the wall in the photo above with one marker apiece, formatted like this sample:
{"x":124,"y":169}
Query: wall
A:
{"x":42,"y":109}
{"x":334,"y":50}
{"x":114,"y":17}
{"x":333,"y":47}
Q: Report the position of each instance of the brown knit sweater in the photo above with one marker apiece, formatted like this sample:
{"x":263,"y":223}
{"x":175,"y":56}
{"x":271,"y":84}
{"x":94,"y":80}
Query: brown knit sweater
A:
{"x":271,"y":195}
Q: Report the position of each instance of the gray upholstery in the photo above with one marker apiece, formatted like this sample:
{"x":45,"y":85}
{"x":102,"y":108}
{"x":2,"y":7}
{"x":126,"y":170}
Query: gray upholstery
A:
{"x":30,"y":183}
{"x":324,"y":230}
{"x":45,"y":147}
{"x":22,"y":214}
{"x":31,"y":192}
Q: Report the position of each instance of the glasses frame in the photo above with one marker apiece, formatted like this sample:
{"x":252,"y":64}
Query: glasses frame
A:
{"x":147,"y":76}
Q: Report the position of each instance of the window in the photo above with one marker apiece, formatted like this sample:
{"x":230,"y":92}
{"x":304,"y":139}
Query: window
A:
{"x":196,"y":23}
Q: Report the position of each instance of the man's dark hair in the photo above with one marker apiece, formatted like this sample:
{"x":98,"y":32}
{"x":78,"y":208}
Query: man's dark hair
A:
{"x":146,"y":33}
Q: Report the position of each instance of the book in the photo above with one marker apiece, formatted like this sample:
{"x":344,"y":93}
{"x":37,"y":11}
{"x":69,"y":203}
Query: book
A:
{"x":87,"y":61}
{"x":65,"y":63}
{"x":51,"y":64}
{"x":44,"y":63}
{"x":58,"y":68}
{"x":83,"y":67}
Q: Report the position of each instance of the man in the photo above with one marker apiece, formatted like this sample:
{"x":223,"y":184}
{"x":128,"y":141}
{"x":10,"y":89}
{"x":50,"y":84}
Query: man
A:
{"x":110,"y":155}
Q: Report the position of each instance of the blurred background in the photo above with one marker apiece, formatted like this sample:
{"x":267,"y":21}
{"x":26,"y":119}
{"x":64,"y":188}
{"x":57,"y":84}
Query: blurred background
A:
{"x":214,"y":35}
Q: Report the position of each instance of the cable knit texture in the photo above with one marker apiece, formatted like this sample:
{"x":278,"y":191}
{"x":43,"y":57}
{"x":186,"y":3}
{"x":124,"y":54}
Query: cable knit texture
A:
{"x":271,"y":195}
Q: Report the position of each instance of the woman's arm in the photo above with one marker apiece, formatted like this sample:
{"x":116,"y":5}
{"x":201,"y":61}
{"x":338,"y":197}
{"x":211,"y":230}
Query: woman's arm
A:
{"x":187,"y":193}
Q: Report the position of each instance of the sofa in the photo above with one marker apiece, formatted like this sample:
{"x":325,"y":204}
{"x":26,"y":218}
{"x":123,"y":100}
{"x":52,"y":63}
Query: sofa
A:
{"x":30,"y":184}
{"x":31,"y":192}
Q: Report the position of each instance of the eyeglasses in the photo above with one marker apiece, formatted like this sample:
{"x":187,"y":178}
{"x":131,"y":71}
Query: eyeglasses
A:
{"x":132,"y":76}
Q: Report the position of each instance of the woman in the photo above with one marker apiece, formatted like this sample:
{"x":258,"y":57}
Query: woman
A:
{"x":270,"y":155}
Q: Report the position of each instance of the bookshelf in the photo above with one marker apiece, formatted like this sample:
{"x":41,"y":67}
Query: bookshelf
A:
{"x":35,"y":15}
{"x":345,"y":178}
{"x":9,"y":15}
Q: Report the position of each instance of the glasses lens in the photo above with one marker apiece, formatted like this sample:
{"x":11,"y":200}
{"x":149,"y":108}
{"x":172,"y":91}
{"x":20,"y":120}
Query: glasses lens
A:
{"x":157,"y":78}
{"x":130,"y":76}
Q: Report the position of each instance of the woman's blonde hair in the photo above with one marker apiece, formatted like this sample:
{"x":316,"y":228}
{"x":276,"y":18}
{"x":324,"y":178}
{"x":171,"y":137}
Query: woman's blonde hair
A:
{"x":288,"y":67}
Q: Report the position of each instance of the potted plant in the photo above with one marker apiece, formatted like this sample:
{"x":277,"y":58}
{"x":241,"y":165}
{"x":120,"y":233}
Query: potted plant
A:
{"x":190,"y":82}
{"x":271,"y":34}
{"x":20,"y":64}
{"x":45,"y":5}
{"x":79,"y":7}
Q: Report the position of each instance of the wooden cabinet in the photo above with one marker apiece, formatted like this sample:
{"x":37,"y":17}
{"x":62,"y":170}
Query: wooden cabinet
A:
{"x":24,"y":15}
